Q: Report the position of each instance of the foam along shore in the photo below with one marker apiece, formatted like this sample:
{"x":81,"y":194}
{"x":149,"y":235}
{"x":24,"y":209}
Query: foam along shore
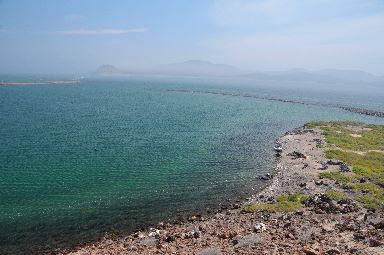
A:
{"x":9,"y":83}
{"x":320,"y":201}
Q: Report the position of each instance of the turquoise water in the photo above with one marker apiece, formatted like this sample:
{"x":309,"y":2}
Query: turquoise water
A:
{"x":115,"y":155}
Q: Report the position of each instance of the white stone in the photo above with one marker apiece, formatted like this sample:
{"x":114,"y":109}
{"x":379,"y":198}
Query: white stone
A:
{"x":260,"y":227}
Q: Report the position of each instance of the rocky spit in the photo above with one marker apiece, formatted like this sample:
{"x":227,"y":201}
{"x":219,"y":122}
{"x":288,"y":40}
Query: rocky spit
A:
{"x":321,"y":226}
{"x":345,"y":108}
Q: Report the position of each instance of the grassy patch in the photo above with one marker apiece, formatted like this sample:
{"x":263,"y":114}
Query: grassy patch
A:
{"x":341,"y":145}
{"x":336,"y":176}
{"x":292,"y":198}
{"x":285,"y":203}
{"x":370,"y":202}
{"x":338,"y":133}
{"x":360,"y":170}
{"x":336,"y":195}
{"x":334,"y":124}
{"x":369,"y":165}
{"x":369,"y":188}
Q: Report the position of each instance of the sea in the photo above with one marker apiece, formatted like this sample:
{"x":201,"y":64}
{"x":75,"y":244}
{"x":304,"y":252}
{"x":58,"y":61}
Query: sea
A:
{"x":114,"y":155}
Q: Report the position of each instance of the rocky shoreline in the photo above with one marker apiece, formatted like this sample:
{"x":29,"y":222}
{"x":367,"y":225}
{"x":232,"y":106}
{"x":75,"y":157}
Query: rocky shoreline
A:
{"x":319,"y":225}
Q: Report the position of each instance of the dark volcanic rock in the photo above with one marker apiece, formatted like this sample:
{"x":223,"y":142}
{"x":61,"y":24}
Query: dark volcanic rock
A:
{"x":321,"y":202}
{"x":344,"y":168}
{"x":375,"y":242}
{"x":297,"y":154}
{"x":333,"y":251}
{"x":335,"y":162}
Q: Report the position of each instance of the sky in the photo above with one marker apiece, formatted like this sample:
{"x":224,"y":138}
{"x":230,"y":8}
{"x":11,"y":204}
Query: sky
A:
{"x":77,"y":36}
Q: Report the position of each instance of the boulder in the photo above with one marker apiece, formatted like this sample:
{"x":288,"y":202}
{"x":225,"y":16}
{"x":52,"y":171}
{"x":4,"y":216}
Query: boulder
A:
{"x":318,"y":141}
{"x":309,"y":251}
{"x":149,"y":242}
{"x":303,"y":184}
{"x":374,"y":219}
{"x":260,"y":227}
{"x":373,"y":242}
{"x":154,"y":232}
{"x":344,"y":168}
{"x":322,"y":203}
{"x":248,"y":241}
{"x":170,"y":238}
{"x":334,"y":162}
{"x":324,"y":166}
{"x":297,"y":154}
{"x":332,"y":251}
{"x":197,"y":217}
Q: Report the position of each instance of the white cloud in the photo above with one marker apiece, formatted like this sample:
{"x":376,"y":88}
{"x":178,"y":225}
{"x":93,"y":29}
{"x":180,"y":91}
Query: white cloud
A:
{"x":261,"y":13}
{"x":106,"y":31}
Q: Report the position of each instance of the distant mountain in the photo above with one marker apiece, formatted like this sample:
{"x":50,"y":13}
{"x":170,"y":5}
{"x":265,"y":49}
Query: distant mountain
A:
{"x":326,"y":75}
{"x":187,"y":68}
{"x":200,"y":63}
{"x":206,"y":68}
{"x":200,"y":67}
{"x":353,"y":75}
{"x":108,"y":70}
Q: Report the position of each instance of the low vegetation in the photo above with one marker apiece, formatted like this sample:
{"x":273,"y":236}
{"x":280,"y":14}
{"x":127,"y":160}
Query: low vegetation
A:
{"x":336,"y":176}
{"x":360,"y":146}
{"x":285,"y":203}
{"x":336,"y":195}
{"x":349,"y":135}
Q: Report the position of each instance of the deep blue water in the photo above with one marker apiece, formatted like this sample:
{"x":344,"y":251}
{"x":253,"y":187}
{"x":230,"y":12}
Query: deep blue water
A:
{"x":79,"y":160}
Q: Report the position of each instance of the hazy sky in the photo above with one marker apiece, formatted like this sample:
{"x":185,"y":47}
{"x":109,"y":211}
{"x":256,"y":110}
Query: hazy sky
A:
{"x":79,"y":35}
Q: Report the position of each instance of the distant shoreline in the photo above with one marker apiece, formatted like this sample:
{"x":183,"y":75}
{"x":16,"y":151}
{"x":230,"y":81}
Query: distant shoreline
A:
{"x":11,"y":83}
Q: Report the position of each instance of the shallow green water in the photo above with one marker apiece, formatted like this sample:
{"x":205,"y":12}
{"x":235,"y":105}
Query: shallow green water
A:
{"x":79,"y":160}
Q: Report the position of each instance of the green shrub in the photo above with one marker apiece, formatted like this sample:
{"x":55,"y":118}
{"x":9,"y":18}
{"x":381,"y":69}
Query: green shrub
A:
{"x":370,"y":202}
{"x":296,"y":197}
{"x":285,"y":203}
{"x":336,"y":195}
{"x":360,"y":170}
{"x":370,"y":188}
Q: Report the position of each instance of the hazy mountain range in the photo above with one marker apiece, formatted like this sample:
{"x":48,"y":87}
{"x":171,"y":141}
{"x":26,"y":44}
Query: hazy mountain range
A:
{"x":187,"y":68}
{"x":206,"y":68}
